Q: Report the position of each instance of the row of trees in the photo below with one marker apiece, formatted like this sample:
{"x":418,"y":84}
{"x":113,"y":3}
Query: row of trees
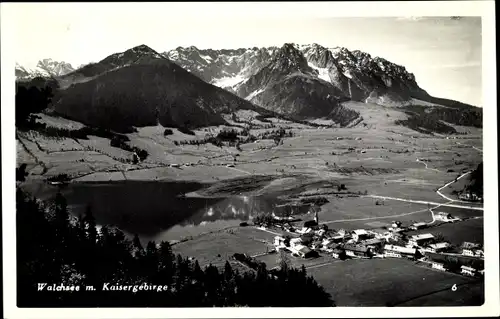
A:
{"x":53,"y":247}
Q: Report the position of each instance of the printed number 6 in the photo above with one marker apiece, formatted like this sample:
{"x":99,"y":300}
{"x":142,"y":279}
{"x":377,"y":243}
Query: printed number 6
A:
{"x":454,"y":287}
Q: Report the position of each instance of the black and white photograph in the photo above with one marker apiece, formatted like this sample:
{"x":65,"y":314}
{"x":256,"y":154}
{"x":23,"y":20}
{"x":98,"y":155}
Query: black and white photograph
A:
{"x":220,"y":155}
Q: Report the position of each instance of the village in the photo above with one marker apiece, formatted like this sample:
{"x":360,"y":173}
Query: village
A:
{"x":314,"y":240}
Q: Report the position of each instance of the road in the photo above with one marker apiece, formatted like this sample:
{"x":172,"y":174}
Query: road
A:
{"x":239,"y":170}
{"x":372,"y":218}
{"x":423,"y":202}
{"x":427,"y":167}
{"x":477,"y":149}
{"x":448,"y":184}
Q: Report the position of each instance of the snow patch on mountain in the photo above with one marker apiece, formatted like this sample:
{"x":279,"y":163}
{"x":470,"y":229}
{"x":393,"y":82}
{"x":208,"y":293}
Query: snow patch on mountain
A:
{"x":322,"y":72}
{"x":254,"y":94}
{"x":206,"y":58}
{"x":347,"y":74}
{"x":227,"y":81}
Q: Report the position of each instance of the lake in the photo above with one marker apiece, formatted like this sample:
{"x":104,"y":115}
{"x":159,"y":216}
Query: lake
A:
{"x":158,"y":210}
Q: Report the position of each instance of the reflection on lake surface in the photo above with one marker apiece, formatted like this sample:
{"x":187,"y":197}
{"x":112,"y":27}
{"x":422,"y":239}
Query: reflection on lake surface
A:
{"x":156,"y":211}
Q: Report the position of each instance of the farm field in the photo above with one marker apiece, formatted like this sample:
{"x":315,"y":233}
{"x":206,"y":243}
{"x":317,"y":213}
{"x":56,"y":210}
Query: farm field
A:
{"x":318,"y":152}
{"x":467,"y":294}
{"x":272,"y":260}
{"x":219,"y":246}
{"x":364,"y":211}
{"x":383,"y":282}
{"x":456,"y":233}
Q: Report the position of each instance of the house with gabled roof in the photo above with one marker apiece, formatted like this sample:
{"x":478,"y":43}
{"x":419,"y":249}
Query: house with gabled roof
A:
{"x":420,"y":239}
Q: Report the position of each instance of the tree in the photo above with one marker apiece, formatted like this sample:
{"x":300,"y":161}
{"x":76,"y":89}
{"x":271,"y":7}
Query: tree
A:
{"x":137,"y":246}
{"x":113,"y":260}
{"x":438,"y":238}
{"x":452,"y":264}
{"x":21,"y":173}
{"x":286,"y":242}
{"x":284,"y":261}
{"x":31,"y":99}
{"x":90,"y":225}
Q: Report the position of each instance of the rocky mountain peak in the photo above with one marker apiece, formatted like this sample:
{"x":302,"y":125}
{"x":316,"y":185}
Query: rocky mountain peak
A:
{"x":44,"y":68}
{"x":319,"y":56}
{"x":289,"y":57}
{"x":130,"y":56}
{"x":144,"y":49}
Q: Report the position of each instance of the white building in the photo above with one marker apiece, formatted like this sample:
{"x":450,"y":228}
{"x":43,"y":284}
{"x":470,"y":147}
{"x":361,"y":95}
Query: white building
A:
{"x":295,"y":241}
{"x":279,"y":241}
{"x":472,"y":250}
{"x":438,"y":266}
{"x":398,"y":251}
{"x":301,"y":250}
{"x":396,"y":224}
{"x":417,"y":226}
{"x":320,"y":232}
{"x":469,"y":271}
{"x":360,"y":234}
{"x":435,"y":248}
{"x":304,"y":230}
{"x":445,"y":217}
{"x":337,"y":238}
{"x":336,"y":253}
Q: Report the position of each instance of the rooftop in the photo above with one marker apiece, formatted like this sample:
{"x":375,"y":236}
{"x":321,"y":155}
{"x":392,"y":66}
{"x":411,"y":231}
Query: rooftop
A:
{"x":303,"y":249}
{"x":467,"y":268}
{"x":422,"y":236}
{"x":419,"y":224}
{"x":469,"y":245}
{"x":439,"y":245}
{"x":360,"y":232}
{"x":360,"y":248}
{"x":443,"y":213}
{"x":373,"y":241}
{"x":400,"y":249}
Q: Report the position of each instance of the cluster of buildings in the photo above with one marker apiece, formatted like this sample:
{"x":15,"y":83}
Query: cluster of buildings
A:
{"x":472,"y":250}
{"x":471,"y":197}
{"x":390,"y":242}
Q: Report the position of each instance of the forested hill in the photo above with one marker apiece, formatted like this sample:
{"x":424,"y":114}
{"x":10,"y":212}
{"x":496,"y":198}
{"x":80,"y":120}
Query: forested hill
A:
{"x":475,"y":185}
{"x":54,"y":248}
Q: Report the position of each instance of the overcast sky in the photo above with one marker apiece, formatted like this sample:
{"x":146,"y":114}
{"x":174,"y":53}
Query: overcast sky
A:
{"x":443,"y":53}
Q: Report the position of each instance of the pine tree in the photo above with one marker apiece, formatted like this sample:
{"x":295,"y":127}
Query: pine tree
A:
{"x":284,"y":262}
{"x":166,"y":265}
{"x":90,"y":225}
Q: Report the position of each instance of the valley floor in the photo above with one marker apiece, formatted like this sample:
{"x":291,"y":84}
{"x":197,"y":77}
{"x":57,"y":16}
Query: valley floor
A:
{"x":390,"y":172}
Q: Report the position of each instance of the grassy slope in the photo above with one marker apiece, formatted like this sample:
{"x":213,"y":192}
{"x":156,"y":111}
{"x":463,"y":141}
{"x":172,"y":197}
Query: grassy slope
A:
{"x":378,"y":282}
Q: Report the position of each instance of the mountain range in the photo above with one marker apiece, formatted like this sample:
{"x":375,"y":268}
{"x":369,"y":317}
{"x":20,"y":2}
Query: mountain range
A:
{"x":193,"y":87}
{"x":44,"y":68}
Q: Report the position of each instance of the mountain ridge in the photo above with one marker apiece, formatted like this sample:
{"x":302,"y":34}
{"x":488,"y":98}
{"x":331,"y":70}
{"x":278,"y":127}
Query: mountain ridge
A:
{"x":139,"y":87}
{"x":356,"y":73}
{"x":44,"y":68}
{"x":301,"y":82}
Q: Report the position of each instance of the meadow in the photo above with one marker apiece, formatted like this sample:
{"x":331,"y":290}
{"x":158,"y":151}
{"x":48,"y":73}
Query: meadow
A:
{"x":387,"y":282}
